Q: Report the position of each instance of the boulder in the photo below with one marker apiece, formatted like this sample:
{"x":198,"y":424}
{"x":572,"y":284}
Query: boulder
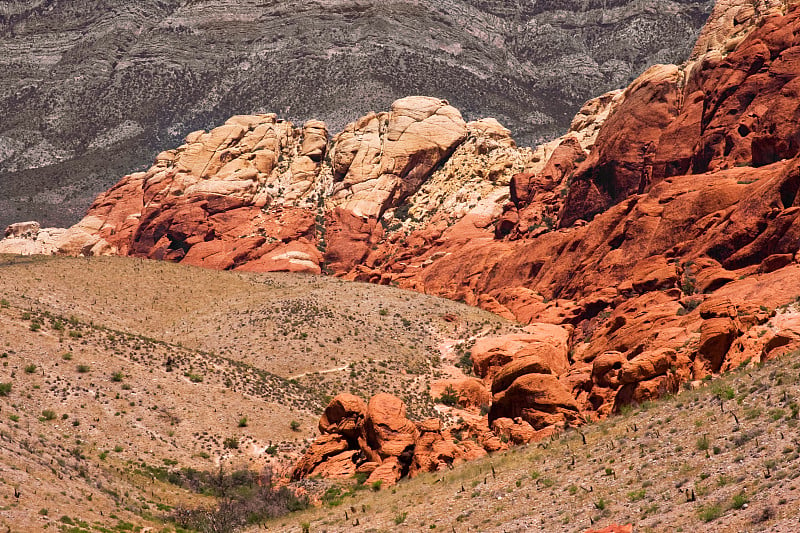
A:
{"x":647,"y":365}
{"x":22,"y":230}
{"x":539,"y":399}
{"x":606,"y":368}
{"x":548,"y":342}
{"x":321,"y":450}
{"x":344,"y":416}
{"x":613,"y":528}
{"x":387,"y":429}
{"x":716,"y":338}
{"x":471,"y":392}
{"x":508,"y":373}
{"x":433,"y":452}
{"x":515,"y":431}
{"x":389,"y":472}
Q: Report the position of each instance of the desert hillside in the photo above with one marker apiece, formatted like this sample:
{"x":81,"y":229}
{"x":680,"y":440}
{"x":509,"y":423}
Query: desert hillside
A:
{"x":118,"y":371}
{"x":110,"y":422}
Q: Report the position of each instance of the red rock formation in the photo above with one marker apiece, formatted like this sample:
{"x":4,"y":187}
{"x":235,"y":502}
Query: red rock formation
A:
{"x":539,"y":399}
{"x":606,"y":241}
{"x":377,"y":439}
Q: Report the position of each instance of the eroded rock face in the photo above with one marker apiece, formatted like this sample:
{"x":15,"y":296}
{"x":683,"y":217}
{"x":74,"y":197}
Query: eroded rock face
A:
{"x":538,"y":399}
{"x":384,"y":158}
{"x":378,"y":440}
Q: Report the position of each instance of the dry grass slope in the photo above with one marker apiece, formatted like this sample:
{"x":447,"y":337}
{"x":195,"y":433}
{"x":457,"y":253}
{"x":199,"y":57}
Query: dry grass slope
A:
{"x":117,"y":375}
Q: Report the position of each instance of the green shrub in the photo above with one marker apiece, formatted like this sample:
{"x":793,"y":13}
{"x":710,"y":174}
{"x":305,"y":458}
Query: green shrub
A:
{"x":709,"y":513}
{"x":739,"y":501}
{"x":30,"y":368}
{"x":5,"y":389}
{"x":636,"y":495}
{"x":449,"y":396}
{"x":601,"y":504}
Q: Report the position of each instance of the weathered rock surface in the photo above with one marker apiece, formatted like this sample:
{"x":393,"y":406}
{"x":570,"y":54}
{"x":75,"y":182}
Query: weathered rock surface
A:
{"x":29,"y":238}
{"x":538,"y":399}
{"x":377,"y":439}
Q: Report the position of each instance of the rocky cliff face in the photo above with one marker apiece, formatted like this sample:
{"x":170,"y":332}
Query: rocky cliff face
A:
{"x":653,"y":245}
{"x":93,"y":91}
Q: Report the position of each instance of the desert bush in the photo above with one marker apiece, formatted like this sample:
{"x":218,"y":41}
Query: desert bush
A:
{"x":247,"y":497}
{"x":449,"y":396}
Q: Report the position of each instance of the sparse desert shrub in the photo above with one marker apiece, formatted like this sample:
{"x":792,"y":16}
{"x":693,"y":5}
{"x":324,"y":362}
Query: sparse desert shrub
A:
{"x":465,"y":362}
{"x":83,"y":369}
{"x":739,"y":501}
{"x":30,"y":368}
{"x":231,"y":443}
{"x":710,"y":512}
{"x":5,"y":389}
{"x":48,"y":414}
{"x":194,"y":378}
{"x":636,"y":495}
{"x":246,"y":498}
{"x":294,"y":425}
{"x":601,"y":504}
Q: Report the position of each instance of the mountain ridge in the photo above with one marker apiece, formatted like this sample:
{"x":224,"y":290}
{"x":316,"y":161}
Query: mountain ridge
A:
{"x":89,"y":99}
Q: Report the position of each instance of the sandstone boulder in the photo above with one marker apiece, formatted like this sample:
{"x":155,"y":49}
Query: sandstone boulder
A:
{"x":508,"y":373}
{"x":647,"y":366}
{"x":546,"y":341}
{"x":606,"y":368}
{"x":322,"y":450}
{"x":344,"y":416}
{"x":515,"y":431}
{"x":716,"y":338}
{"x":539,"y":399}
{"x":470,"y":392}
{"x":387,"y":429}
